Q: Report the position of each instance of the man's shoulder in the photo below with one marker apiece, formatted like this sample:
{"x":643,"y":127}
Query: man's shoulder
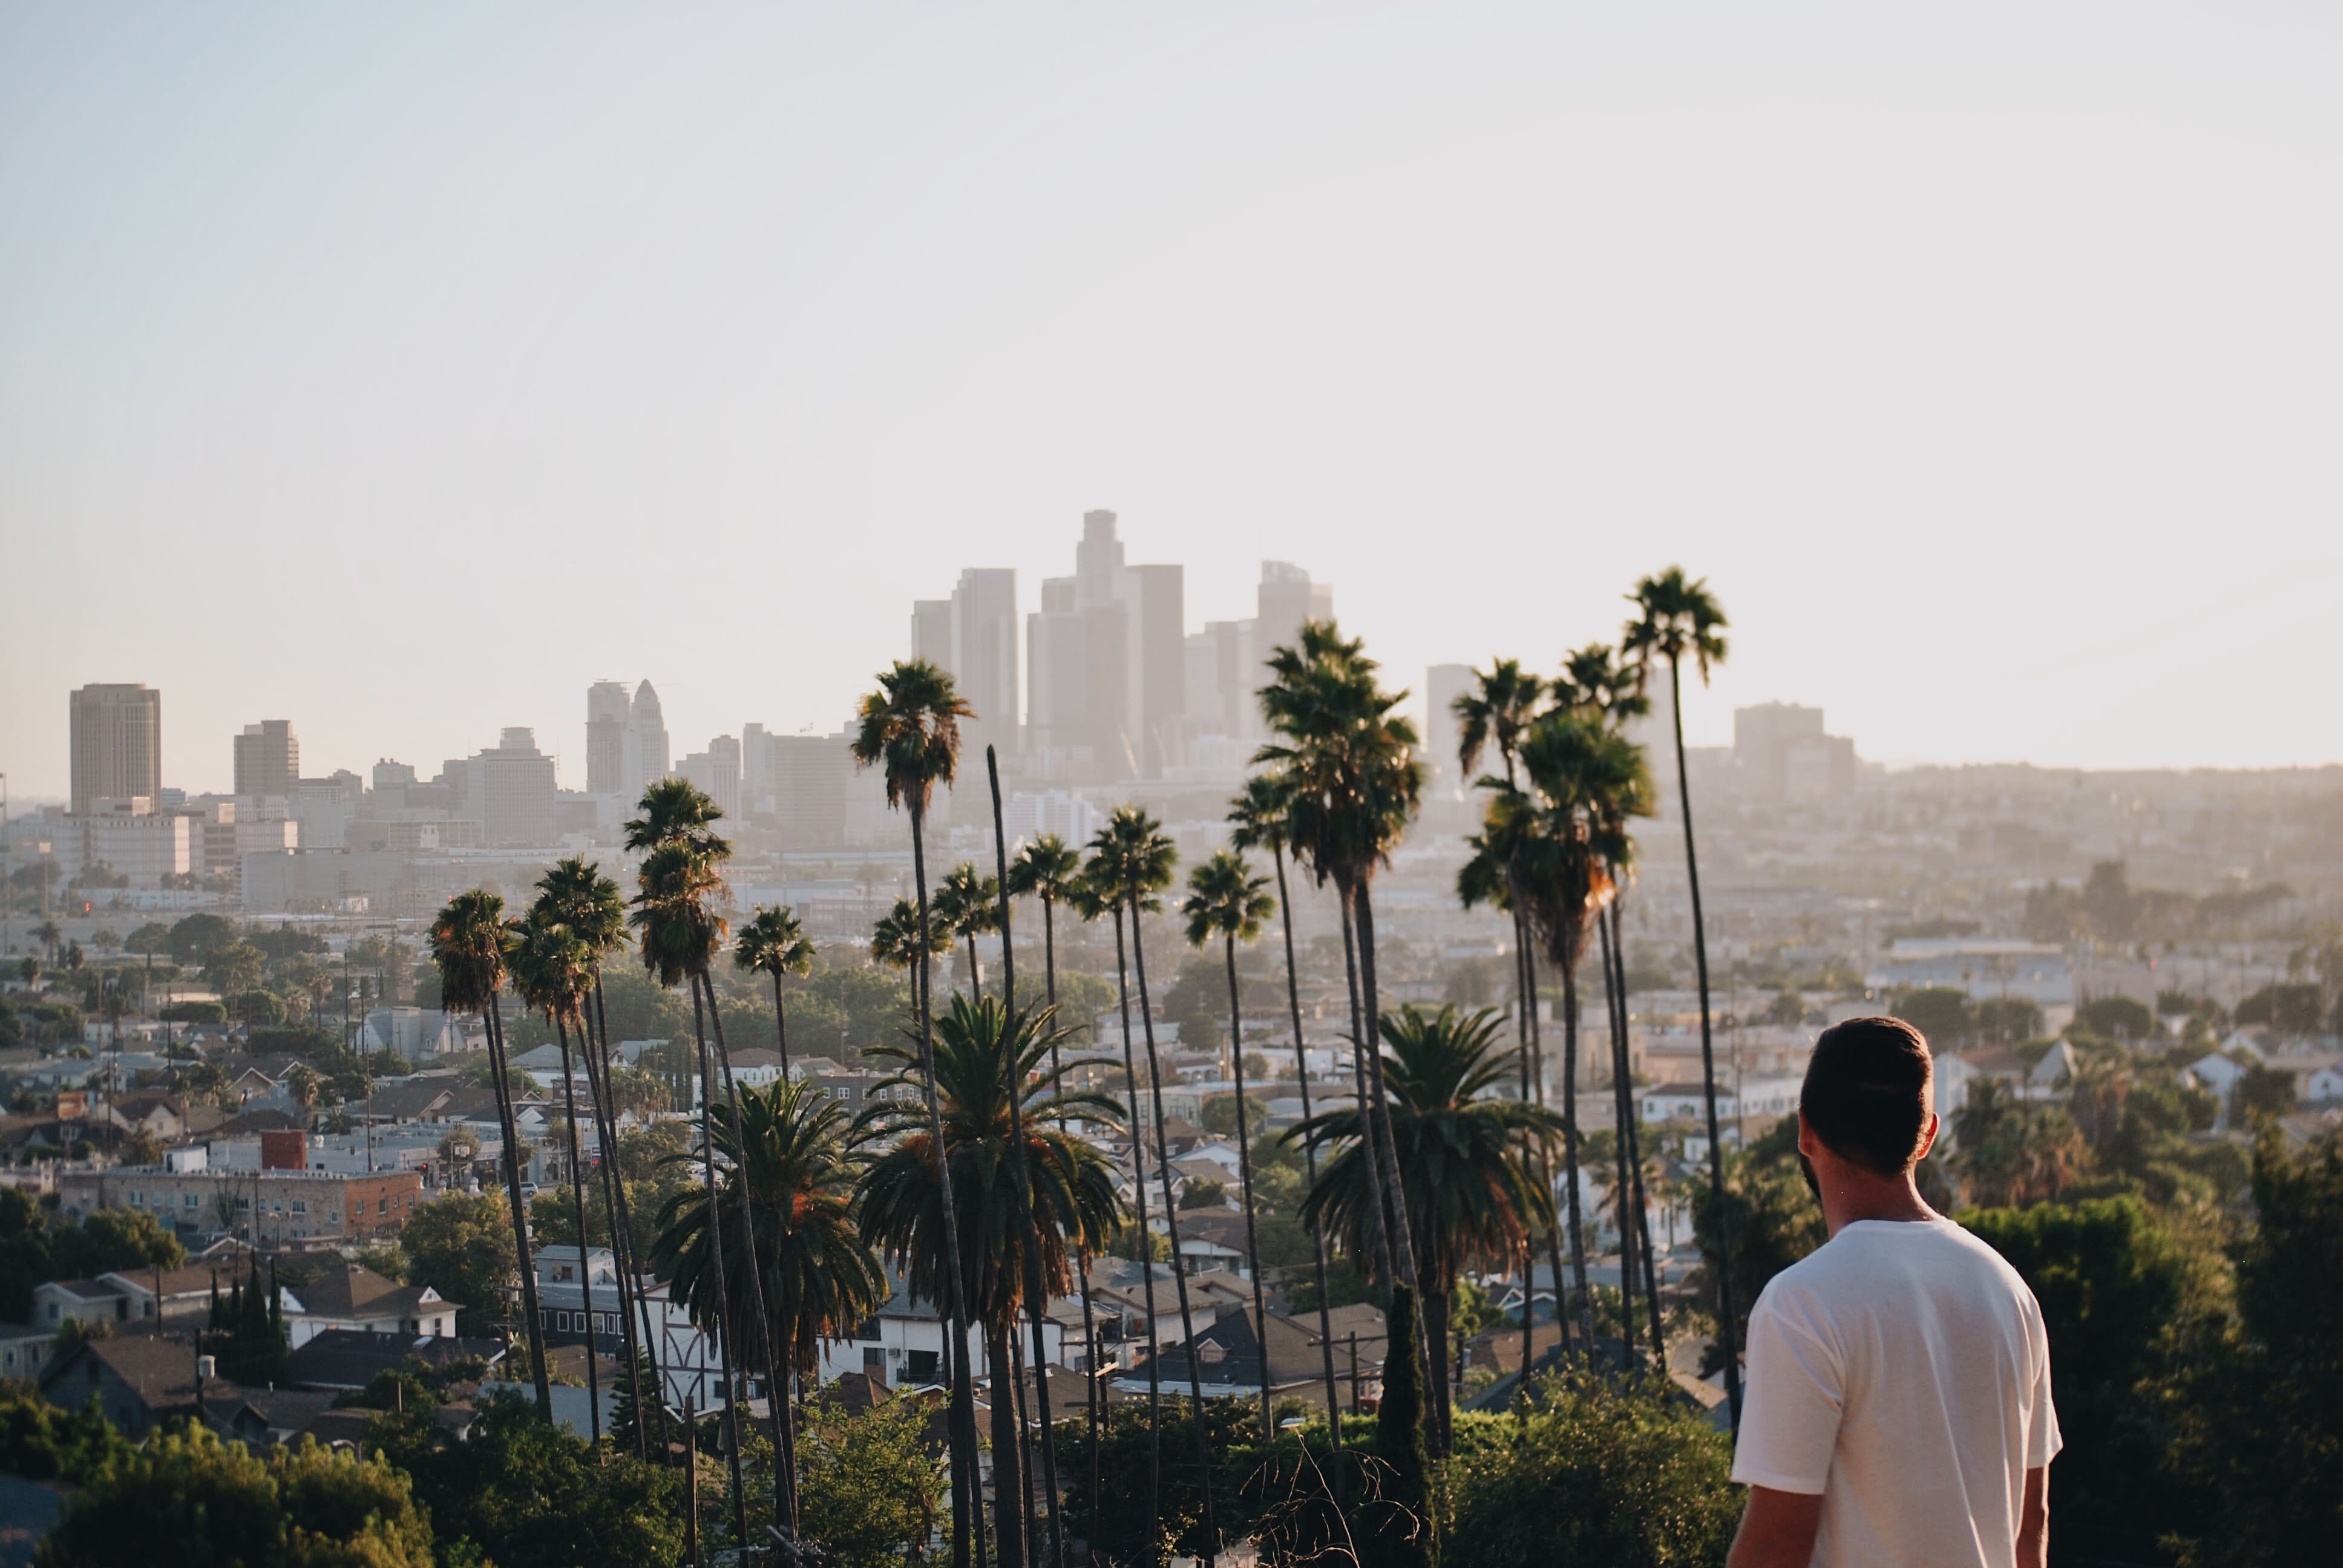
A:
{"x":1869,"y":1249}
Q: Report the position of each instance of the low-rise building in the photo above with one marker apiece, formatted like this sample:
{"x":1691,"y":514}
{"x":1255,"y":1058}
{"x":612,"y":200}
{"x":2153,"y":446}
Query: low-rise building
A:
{"x":264,"y":1207}
{"x":355,"y":1298}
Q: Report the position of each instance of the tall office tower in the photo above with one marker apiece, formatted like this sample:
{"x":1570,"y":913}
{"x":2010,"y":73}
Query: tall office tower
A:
{"x":972,"y":635}
{"x":931,"y":631}
{"x":1779,"y":749}
{"x":645,"y":761}
{"x":1443,"y":685}
{"x":717,"y":773}
{"x":510,"y":790}
{"x":116,"y":740}
{"x":267,"y":758}
{"x":1285,"y":600}
{"x":811,"y":773}
{"x":607,"y":711}
{"x":1108,"y":662}
{"x":755,"y":770}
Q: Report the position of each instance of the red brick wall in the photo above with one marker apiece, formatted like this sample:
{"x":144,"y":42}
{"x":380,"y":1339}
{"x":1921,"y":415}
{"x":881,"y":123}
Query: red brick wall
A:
{"x":380,"y":1204}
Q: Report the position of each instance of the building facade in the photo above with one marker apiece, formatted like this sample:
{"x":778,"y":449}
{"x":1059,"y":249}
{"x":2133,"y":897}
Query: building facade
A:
{"x":267,"y":758}
{"x":117,"y":745}
{"x":268,"y":1208}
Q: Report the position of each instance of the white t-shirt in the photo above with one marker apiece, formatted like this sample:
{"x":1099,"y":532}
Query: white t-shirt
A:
{"x":1902,"y":1372}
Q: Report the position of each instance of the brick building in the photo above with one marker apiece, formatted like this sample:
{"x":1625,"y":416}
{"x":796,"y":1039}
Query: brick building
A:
{"x":266,"y":1208}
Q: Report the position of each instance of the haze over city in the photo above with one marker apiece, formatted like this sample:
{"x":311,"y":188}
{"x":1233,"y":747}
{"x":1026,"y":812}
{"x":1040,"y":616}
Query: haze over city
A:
{"x":428,"y":367}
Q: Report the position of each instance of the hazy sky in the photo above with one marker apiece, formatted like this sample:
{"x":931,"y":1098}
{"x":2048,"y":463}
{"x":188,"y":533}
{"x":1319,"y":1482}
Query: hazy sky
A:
{"x":400,"y":370}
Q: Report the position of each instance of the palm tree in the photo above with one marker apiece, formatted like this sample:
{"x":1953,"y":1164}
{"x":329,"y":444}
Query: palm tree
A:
{"x":1595,"y":683}
{"x":774,"y":942}
{"x":787,"y":1148}
{"x":469,"y":943}
{"x":1675,"y":618}
{"x":574,"y":894}
{"x":1046,"y":869}
{"x":551,"y":968}
{"x":1257,"y":819}
{"x":1349,"y":760}
{"x":1462,"y":1149}
{"x":1130,"y":863}
{"x":679,"y":914}
{"x":1226,"y":901}
{"x":969,"y":903}
{"x":985,"y":1064}
{"x":1580,"y":771}
{"x":910,"y":727}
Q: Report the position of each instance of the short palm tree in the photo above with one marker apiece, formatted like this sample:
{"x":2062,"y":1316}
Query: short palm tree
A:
{"x":987,"y":1064}
{"x":773,"y":942}
{"x":1462,"y":1147}
{"x":469,"y":945}
{"x":1676,"y":619}
{"x":551,"y":969}
{"x":787,"y":1148}
{"x":1226,"y":901}
{"x":971,"y":904}
{"x":1257,"y":821}
{"x":1046,"y":868}
{"x":909,"y":729}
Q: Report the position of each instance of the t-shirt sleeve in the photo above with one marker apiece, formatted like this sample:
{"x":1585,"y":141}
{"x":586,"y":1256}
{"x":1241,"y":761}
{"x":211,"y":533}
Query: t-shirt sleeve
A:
{"x":1795,"y":1395}
{"x":2043,"y":1441}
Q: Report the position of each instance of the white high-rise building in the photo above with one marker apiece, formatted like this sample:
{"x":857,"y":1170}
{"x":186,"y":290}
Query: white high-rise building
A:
{"x":1109,"y":664}
{"x":1443,"y":685}
{"x":716,"y":773}
{"x":608,"y":711}
{"x":646,"y":758}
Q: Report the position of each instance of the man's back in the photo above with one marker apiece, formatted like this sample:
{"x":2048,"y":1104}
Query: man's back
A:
{"x":1902,"y":1373}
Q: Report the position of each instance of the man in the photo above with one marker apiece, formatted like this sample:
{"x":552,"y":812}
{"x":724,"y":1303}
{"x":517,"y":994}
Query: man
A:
{"x":1898,"y":1407}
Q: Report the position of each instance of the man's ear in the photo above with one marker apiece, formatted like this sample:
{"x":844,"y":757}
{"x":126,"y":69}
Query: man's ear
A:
{"x":1808,"y":1144}
{"x":1928,"y":1137}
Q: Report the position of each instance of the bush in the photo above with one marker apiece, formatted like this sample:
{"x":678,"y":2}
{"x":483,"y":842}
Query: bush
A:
{"x":194,"y":1012}
{"x":1627,"y":1475}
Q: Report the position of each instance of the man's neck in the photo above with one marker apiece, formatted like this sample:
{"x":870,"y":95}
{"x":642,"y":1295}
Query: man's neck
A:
{"x":1848,"y":1196}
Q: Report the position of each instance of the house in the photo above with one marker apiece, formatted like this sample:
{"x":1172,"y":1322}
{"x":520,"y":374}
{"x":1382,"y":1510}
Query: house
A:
{"x":24,"y":1352}
{"x":568,"y":1286}
{"x":2055,"y":1070}
{"x":139,"y":1381}
{"x":425,"y":1097}
{"x":353,"y":1297}
{"x":2217,"y":1072}
{"x":353,"y":1358}
{"x":1229,"y":1359}
{"x":268,"y":1418}
{"x":419,"y":1032}
{"x":1209,"y":1238}
{"x":2321,"y":1085}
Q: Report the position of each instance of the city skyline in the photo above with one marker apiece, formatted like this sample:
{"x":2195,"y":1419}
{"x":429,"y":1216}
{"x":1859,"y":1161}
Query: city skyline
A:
{"x":397,"y":348}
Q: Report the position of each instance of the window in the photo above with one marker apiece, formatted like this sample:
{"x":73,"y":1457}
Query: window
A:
{"x":382,"y":1206}
{"x":300,"y":1205}
{"x":189,"y":1201}
{"x":137,"y":1199}
{"x":873,"y":1356}
{"x":920,"y":1366}
{"x":244,"y":1205}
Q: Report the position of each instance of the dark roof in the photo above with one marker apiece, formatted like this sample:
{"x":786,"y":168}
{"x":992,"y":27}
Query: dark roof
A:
{"x":260,"y":1119}
{"x":349,"y":1358}
{"x":413,"y":1100}
{"x":283,"y":1413}
{"x":356,"y":1290}
{"x":1230,"y":1354}
{"x":160,"y":1371}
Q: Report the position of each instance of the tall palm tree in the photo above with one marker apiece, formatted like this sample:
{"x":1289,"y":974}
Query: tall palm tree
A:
{"x":1349,"y":760}
{"x":787,"y":1147}
{"x":909,"y":729}
{"x":1226,"y":901}
{"x":575,"y":894}
{"x":1046,"y":868}
{"x":550,"y":967}
{"x":1462,"y":1147}
{"x":986,"y":1063}
{"x":1676,"y":619}
{"x":679,"y":912}
{"x":969,"y":903}
{"x":774,"y":942}
{"x":468,"y":944}
{"x":1257,"y":819}
{"x":1131,"y":863}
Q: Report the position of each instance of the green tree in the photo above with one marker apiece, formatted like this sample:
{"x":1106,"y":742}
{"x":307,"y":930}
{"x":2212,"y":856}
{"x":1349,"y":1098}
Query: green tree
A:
{"x":984,"y":1055}
{"x":1464,"y":1161}
{"x":2120,"y":1018}
{"x":469,"y":942}
{"x":969,"y":904}
{"x":461,"y":1245}
{"x":1771,"y":1222}
{"x":1227,"y":901}
{"x":1941,"y":1012}
{"x":191,"y":1499}
{"x":869,"y":1489}
{"x":818,"y":1278}
{"x":1677,"y":618}
{"x":1623,"y":1473}
{"x":773,"y":943}
{"x":193,"y":939}
{"x":41,"y":1442}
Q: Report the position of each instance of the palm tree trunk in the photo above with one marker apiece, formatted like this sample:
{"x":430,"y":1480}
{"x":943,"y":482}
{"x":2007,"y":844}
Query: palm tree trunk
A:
{"x":501,"y":1084}
{"x":1527,"y":996}
{"x":968,"y":1529}
{"x":1546,"y":1160}
{"x":1083,"y":1254}
{"x":622,"y":1232}
{"x":1172,"y":1223}
{"x":721,"y":1323}
{"x":1146,"y":1252}
{"x":1008,"y":1478}
{"x":1244,"y":1177}
{"x":785,"y":1462}
{"x":1570,"y":1149}
{"x":1623,"y":1193}
{"x":1403,"y":1239}
{"x":1036,"y":1299}
{"x":585,"y":1264}
{"x":760,"y":1316}
{"x":1379,"y":1227}
{"x":1725,"y":1327}
{"x":975,"y":973}
{"x":781,"y":1026}
{"x":1636,"y":1147}
{"x":1437,"y":1310}
{"x":1309,"y":1154}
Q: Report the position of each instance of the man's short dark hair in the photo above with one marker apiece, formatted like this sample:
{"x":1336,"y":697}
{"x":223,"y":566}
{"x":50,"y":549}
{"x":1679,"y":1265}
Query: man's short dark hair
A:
{"x":1866,"y":1092}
